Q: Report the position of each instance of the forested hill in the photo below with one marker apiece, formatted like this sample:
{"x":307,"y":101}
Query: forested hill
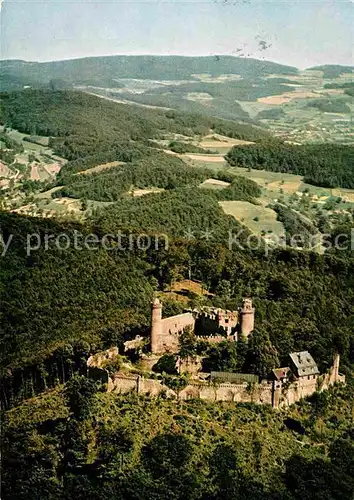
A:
{"x":333,"y":70}
{"x":95,"y":69}
{"x":327,"y":165}
{"x":81,"y":125}
{"x":64,"y":304}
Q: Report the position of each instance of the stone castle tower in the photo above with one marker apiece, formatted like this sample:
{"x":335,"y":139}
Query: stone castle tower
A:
{"x":156,"y":325}
{"x":165,"y":332}
{"x":247,"y":318}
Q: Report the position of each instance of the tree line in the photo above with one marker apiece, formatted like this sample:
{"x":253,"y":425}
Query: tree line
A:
{"x":326,"y":165}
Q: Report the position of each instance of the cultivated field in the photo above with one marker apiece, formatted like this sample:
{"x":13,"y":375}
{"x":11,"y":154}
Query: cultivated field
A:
{"x":203,"y":157}
{"x":259,"y":219}
{"x":287,"y":97}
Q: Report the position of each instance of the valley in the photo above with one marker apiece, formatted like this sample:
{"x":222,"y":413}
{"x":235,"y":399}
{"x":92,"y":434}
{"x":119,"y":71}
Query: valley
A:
{"x":321,"y":208}
{"x":304,"y":111}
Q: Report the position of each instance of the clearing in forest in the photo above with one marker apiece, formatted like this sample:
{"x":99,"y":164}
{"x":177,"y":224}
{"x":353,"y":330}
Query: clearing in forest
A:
{"x":259,"y":219}
{"x":141,"y":192}
{"x":99,"y":168}
{"x":214,"y":184}
{"x":287,"y":97}
{"x":204,"y":157}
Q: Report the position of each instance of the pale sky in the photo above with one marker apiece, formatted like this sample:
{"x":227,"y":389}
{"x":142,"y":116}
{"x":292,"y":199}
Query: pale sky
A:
{"x":301,"y":33}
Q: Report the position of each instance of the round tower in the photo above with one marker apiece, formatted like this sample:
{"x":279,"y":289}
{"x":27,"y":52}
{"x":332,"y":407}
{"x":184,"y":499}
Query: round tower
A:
{"x":247,"y":318}
{"x":156,"y":325}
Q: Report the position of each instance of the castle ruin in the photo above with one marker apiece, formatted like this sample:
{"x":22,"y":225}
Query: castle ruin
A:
{"x":212,"y":325}
{"x":282,"y":387}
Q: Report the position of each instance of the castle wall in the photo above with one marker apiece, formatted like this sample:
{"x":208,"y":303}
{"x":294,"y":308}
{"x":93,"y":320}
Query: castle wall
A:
{"x":192,"y":365}
{"x":211,"y":323}
{"x":176,"y":324}
{"x":154,"y":387}
{"x":123,"y":384}
{"x":275,"y":393}
{"x":228,"y":321}
{"x":134,"y":343}
{"x":263,"y":393}
{"x":247,"y":318}
{"x":165,"y":332}
{"x":97,"y":359}
{"x":299,"y":389}
{"x":171,"y":328}
{"x":156,"y":325}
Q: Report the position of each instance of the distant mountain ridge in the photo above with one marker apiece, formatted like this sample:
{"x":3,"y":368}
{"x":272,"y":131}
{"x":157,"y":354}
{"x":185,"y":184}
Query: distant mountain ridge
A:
{"x":144,"y":67}
{"x":333,"y":70}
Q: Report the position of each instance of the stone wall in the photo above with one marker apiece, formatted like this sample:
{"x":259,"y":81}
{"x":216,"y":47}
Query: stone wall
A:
{"x":97,"y":359}
{"x":170,"y":328}
{"x":192,"y":365}
{"x":266,"y":392}
{"x":176,"y":324}
{"x":261,"y":393}
{"x":275,"y":393}
{"x":287,"y":395}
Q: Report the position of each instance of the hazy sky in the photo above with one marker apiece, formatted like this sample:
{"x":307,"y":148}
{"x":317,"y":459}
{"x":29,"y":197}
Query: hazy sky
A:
{"x":302,"y":33}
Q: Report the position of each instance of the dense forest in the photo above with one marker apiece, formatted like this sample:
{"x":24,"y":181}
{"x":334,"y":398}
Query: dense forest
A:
{"x":79,"y":442}
{"x":159,"y":170}
{"x":271,"y":114}
{"x":9,"y":148}
{"x":53,"y":297}
{"x":326,"y":165}
{"x":156,"y":170}
{"x":83,"y":125}
{"x":296,"y":224}
{"x":330,"y":105}
{"x":333,"y":70}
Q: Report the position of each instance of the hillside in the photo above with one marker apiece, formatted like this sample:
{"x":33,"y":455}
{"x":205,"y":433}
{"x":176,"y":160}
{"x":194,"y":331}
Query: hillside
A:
{"x":81,"y":125}
{"x":77,"y":442}
{"x":95,"y":70}
{"x":326,"y":165}
{"x":57,"y":304}
{"x":142,"y":195}
{"x":310,"y":106}
{"x":333,"y":70}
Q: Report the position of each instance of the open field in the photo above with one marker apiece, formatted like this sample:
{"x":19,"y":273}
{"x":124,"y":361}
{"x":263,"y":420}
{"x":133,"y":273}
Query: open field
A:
{"x":48,"y":194}
{"x":216,"y":141}
{"x":347,"y":194}
{"x":99,"y":168}
{"x":287,"y":97}
{"x":266,"y":179}
{"x":214,"y":184}
{"x":203,"y":157}
{"x":288,"y":189}
{"x":4,"y":170}
{"x":259,"y":219}
{"x":141,"y":192}
{"x":41,"y":172}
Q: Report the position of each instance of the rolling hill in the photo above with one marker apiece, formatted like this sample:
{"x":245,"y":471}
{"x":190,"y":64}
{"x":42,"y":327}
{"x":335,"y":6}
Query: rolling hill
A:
{"x":97,"y":69}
